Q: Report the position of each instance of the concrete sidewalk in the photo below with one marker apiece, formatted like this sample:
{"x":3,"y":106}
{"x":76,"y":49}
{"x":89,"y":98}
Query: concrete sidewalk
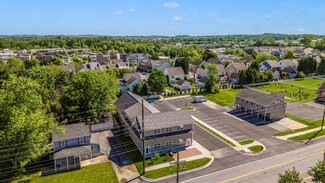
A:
{"x":286,"y":137}
{"x":204,"y":153}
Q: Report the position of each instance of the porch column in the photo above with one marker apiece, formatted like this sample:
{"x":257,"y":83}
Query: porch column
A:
{"x":265,"y":116}
{"x":67,"y":162}
{"x":258,"y":113}
{"x":55,"y":165}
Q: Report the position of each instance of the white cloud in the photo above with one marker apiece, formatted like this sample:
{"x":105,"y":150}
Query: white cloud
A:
{"x":171,"y":5}
{"x":131,"y":10}
{"x":301,"y":30}
{"x":118,"y":13}
{"x":177,"y":18}
{"x":267,"y":16}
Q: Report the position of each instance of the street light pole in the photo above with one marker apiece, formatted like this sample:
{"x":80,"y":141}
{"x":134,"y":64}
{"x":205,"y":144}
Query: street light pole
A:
{"x":143,"y":149}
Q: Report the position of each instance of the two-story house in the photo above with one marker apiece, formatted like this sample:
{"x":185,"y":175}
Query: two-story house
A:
{"x":265,"y":106}
{"x":129,"y":80}
{"x":199,"y":73}
{"x":72,"y":146}
{"x":174,"y":74}
{"x":321,"y":92}
{"x":232,"y":71}
{"x":270,"y":65}
{"x":164,"y":132}
{"x":287,"y":63}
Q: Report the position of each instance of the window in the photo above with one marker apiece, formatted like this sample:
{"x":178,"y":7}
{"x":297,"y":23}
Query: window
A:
{"x":251,"y":103}
{"x":157,"y":146}
{"x":173,"y":77}
{"x":170,"y":129}
{"x":95,"y":148}
{"x":180,"y":127}
{"x":81,"y":140}
{"x":147,"y":150}
{"x":155,"y":132}
{"x":169,"y":143}
{"x":63,"y":143}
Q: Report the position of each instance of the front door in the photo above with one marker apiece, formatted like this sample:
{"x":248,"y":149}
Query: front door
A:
{"x":188,"y":142}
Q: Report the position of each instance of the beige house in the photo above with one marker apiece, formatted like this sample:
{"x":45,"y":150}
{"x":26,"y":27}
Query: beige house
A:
{"x":174,"y":74}
{"x":164,"y":132}
{"x":233,"y":69}
{"x":321,"y":92}
{"x":265,"y":106}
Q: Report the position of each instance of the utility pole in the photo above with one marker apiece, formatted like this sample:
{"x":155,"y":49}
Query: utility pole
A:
{"x":323,"y":120}
{"x":177,"y":167}
{"x":143,"y":149}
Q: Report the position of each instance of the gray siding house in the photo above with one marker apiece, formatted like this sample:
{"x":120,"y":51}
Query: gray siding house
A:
{"x":164,"y":132}
{"x":321,"y":92}
{"x":265,"y":106}
{"x":72,"y":146}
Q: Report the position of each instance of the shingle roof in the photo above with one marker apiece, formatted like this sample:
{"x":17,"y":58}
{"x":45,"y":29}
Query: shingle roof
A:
{"x":258,"y":97}
{"x":238,"y":65}
{"x":166,"y":119}
{"x":131,"y":80}
{"x":72,"y":131}
{"x":174,"y":71}
{"x":180,"y":82}
{"x":132,"y":76}
{"x":212,"y":61}
{"x":72,"y":151}
{"x":68,"y":68}
{"x":197,"y":62}
{"x":221,"y":68}
{"x":273,"y":63}
{"x":200,"y":71}
{"x":290,"y":63}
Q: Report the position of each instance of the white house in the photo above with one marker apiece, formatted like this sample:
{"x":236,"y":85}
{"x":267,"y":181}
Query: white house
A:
{"x":182,"y":85}
{"x":269,"y":65}
{"x":174,"y":74}
{"x":129,"y":80}
{"x":276,"y":74}
{"x":199,"y":73}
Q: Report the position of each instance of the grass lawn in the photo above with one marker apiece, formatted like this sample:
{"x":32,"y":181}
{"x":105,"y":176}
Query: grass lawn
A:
{"x":224,"y":97}
{"x":189,"y":108}
{"x":166,"y":170}
{"x":310,"y":125}
{"x":215,"y":134}
{"x":102,"y":172}
{"x":308,"y":135}
{"x":169,"y":88}
{"x":257,"y":148}
{"x":293,"y":92}
{"x":136,"y":156}
{"x":245,"y":142}
{"x":193,"y":86}
{"x":308,"y":83}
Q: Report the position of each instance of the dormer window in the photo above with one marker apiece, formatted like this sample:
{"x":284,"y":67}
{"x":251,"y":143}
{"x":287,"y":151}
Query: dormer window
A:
{"x":63,"y":143}
{"x":81,"y":140}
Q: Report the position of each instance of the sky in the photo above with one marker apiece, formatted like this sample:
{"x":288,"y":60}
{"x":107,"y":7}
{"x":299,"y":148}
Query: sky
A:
{"x":161,"y":17}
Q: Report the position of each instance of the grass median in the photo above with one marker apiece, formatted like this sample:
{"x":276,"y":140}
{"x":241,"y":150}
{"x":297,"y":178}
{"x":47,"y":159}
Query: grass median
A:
{"x":245,"y":142}
{"x":169,"y":170}
{"x":256,"y":149}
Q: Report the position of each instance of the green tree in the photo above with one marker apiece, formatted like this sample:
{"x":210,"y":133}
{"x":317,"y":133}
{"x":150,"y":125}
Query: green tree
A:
{"x":306,"y":40}
{"x":308,"y":65}
{"x":290,"y":176}
{"x":321,"y":67}
{"x":262,"y":56}
{"x":211,"y":55}
{"x":56,"y":60}
{"x":300,"y":74}
{"x":144,"y":90}
{"x":254,"y":54}
{"x":90,"y":92}
{"x":157,"y":81}
{"x":137,"y":88}
{"x":25,"y":126}
{"x":255,"y":65}
{"x":181,"y":62}
{"x":32,"y":63}
{"x":290,"y":54}
{"x":317,"y":172}
{"x":14,"y":67}
{"x":213,"y":77}
{"x":268,"y":76}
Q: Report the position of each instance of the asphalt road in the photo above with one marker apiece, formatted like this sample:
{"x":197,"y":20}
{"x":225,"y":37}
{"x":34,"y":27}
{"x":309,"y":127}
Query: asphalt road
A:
{"x":207,"y":140}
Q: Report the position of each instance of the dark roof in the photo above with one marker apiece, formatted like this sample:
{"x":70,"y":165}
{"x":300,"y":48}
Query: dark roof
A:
{"x":131,"y":80}
{"x":174,"y":71}
{"x":166,"y":119}
{"x":203,"y":79}
{"x":258,"y":97}
{"x":288,"y":69}
{"x":130,"y":104}
{"x":72,"y":131}
{"x":72,"y":151}
{"x":180,"y":82}
{"x":212,"y":60}
{"x":197,"y":62}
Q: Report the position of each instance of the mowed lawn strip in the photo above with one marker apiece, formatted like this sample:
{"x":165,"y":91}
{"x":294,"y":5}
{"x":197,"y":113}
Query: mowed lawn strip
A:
{"x":293,"y":92}
{"x":308,"y":135}
{"x":102,"y":172}
{"x":308,"y":83}
{"x":257,"y":148}
{"x":224,"y":97}
{"x":310,"y":125}
{"x":161,"y":172}
{"x":245,"y":142}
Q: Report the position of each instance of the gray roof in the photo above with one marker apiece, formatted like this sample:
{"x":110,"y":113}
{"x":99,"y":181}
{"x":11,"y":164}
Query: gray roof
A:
{"x":68,"y":68}
{"x":166,"y":119}
{"x":72,"y":151}
{"x":290,"y":63}
{"x":221,"y":68}
{"x":200,"y":71}
{"x":273,"y":63}
{"x":238,"y":65}
{"x":197,"y":62}
{"x":180,"y":82}
{"x":174,"y":71}
{"x":129,"y":104}
{"x":258,"y":97}
{"x":72,"y":131}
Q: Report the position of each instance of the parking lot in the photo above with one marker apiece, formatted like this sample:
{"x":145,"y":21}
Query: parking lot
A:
{"x":231,"y":124}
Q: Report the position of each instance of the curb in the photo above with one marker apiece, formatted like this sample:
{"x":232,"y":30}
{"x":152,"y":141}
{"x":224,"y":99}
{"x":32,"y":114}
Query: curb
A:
{"x":183,"y":172}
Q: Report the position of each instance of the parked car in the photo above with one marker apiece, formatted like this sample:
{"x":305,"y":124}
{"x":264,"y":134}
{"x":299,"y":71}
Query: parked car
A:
{"x":198,"y":99}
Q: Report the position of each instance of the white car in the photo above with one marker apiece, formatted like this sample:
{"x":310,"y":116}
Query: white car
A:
{"x":198,"y":99}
